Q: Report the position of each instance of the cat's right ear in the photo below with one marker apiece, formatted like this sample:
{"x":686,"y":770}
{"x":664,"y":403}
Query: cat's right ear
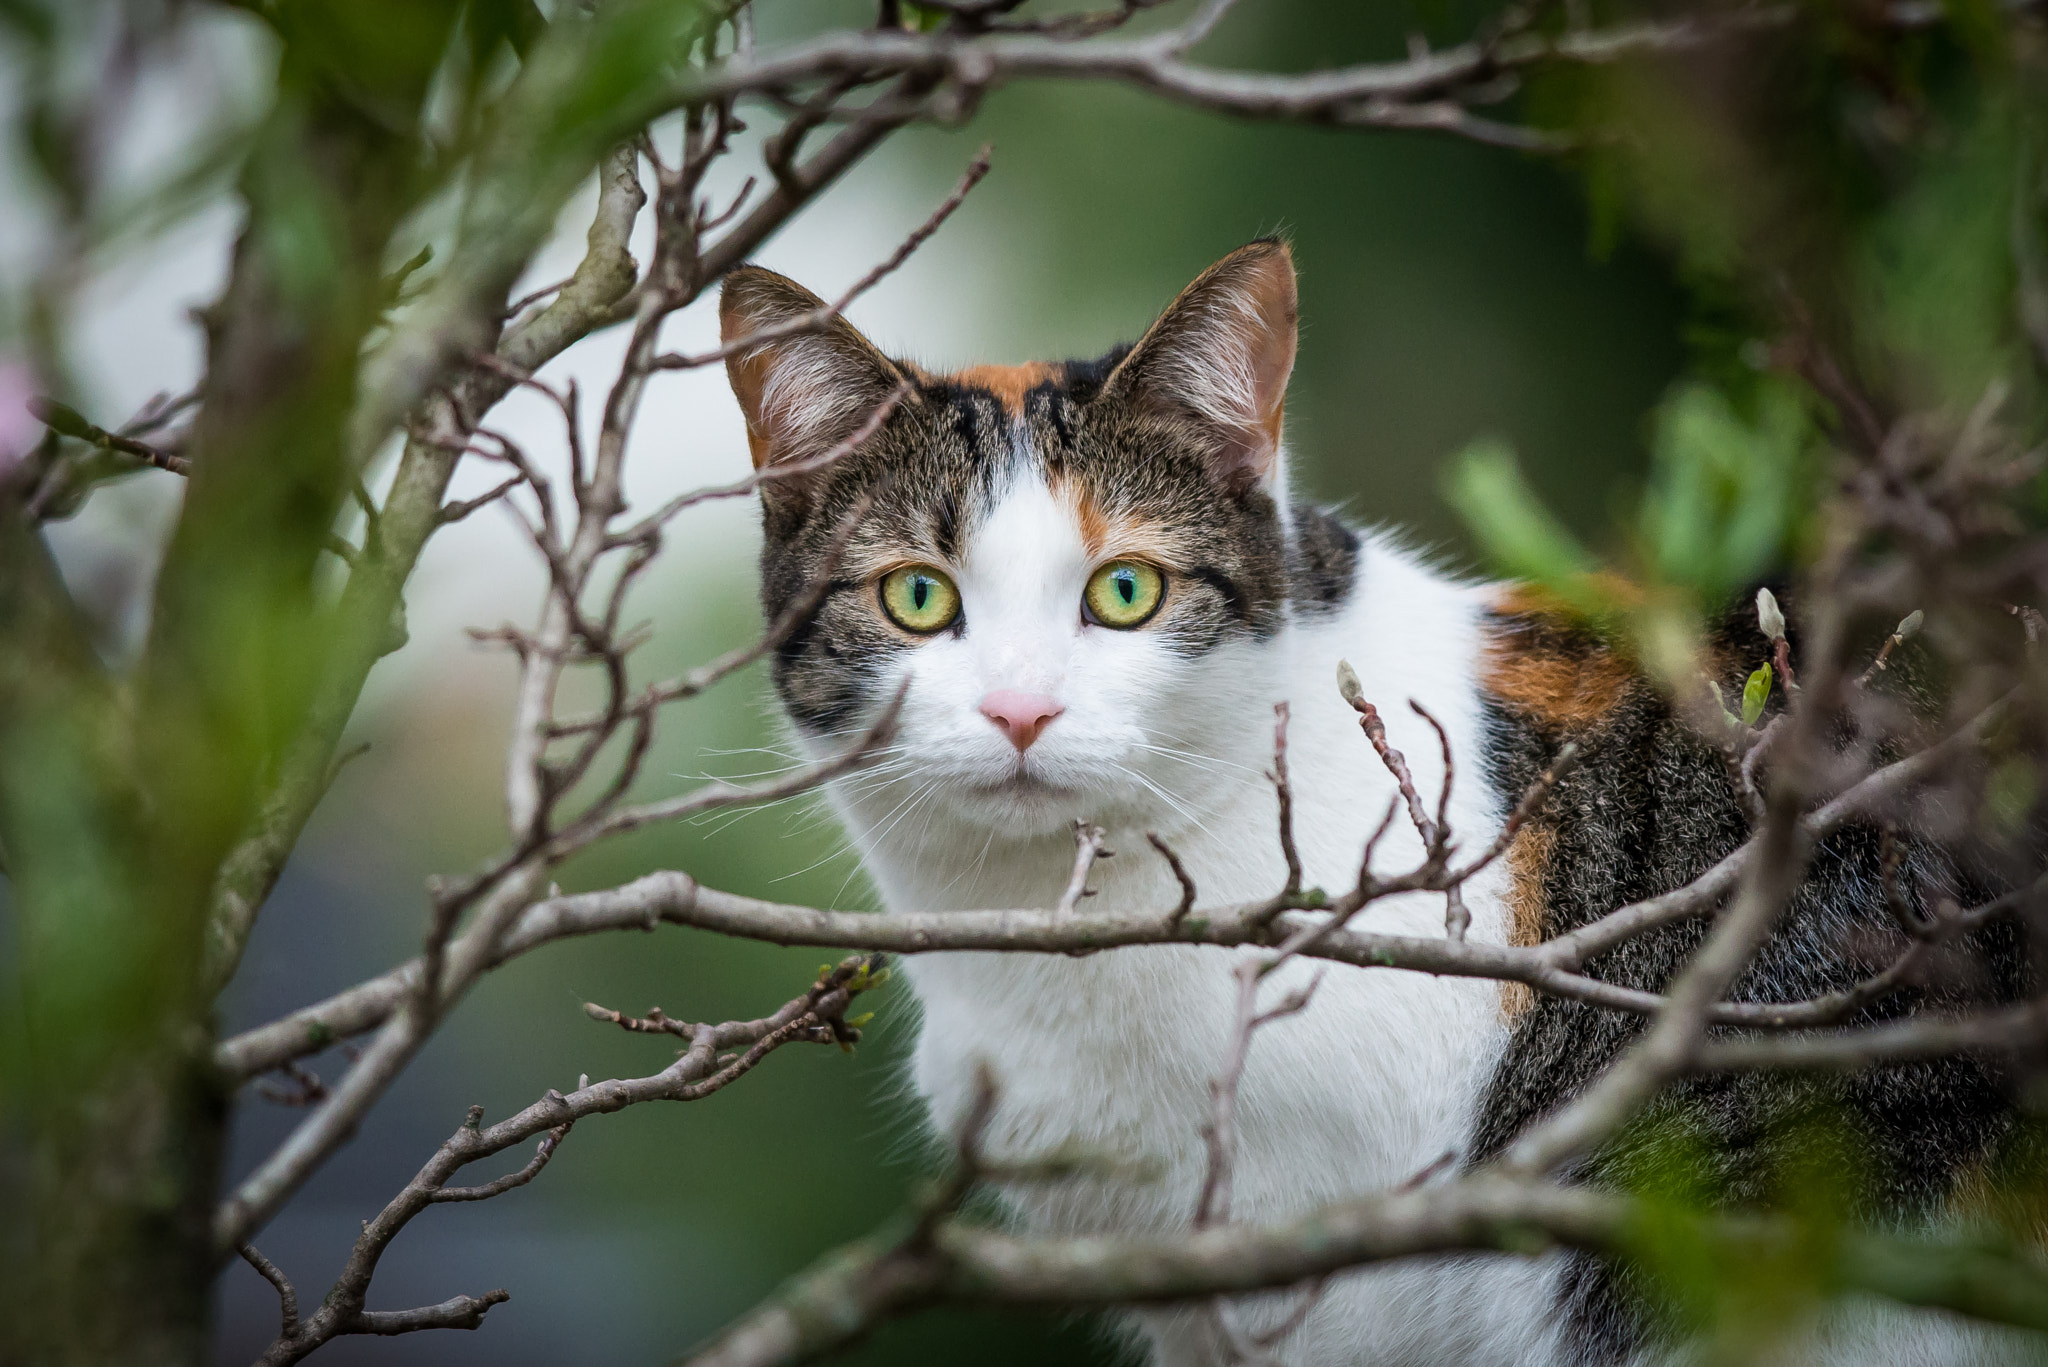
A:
{"x":804,"y":392}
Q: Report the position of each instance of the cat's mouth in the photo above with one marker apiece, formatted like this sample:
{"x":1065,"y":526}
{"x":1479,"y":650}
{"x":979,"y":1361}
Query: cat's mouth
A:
{"x":1019,"y":804}
{"x":1021,"y":782}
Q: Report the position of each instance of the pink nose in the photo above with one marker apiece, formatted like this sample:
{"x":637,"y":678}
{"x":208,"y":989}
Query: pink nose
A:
{"x":1021,"y":716}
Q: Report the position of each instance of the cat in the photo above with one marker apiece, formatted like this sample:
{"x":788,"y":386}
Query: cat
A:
{"x":1093,"y":581}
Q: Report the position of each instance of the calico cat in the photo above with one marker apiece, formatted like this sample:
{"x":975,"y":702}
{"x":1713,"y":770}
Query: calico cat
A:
{"x":1092,"y":580}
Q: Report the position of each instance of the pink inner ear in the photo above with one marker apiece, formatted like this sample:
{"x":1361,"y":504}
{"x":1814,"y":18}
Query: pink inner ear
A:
{"x":1223,"y":351}
{"x":1267,"y":341}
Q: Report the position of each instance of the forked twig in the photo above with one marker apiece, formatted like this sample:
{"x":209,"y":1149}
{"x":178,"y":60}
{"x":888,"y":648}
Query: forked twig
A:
{"x":1088,"y":848}
{"x":287,"y":1298}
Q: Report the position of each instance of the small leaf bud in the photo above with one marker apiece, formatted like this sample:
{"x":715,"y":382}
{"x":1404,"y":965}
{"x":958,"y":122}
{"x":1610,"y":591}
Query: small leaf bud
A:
{"x":1769,"y":616}
{"x":1348,"y":685}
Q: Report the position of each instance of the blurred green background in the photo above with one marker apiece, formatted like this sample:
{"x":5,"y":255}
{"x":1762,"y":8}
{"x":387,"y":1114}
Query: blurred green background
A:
{"x":1448,"y":292}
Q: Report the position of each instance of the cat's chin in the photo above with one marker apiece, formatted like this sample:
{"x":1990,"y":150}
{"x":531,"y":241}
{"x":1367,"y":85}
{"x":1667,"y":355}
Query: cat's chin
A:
{"x":1021,"y":804}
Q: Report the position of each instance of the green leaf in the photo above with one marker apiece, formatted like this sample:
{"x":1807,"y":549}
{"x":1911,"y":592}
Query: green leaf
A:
{"x":1520,"y":536}
{"x":1510,"y":521}
{"x":1724,"y":487}
{"x":1755,"y":694}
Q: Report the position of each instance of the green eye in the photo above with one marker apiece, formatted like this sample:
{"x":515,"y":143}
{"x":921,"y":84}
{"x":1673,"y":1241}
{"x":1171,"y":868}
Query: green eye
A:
{"x":919,"y":598}
{"x":1123,"y":593}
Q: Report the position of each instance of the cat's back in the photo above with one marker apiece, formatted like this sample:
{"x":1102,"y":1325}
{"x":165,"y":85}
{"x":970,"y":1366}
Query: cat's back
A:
{"x":1650,"y":807}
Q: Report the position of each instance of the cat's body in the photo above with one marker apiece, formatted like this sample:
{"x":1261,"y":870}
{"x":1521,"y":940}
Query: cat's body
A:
{"x":1112,"y":1054}
{"x":1091,"y":581}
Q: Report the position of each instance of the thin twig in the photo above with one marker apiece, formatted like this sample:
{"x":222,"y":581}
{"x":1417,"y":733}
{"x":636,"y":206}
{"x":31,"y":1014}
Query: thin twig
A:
{"x":1281,"y":788}
{"x":1527,"y":806}
{"x":500,"y":1186}
{"x":820,"y":318}
{"x":68,"y":422}
{"x":778,"y":472}
{"x":1180,"y":876}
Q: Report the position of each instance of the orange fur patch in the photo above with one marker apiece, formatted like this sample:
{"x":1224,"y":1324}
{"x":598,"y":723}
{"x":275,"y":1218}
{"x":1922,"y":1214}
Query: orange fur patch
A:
{"x":1094,"y":526}
{"x":1009,"y":383}
{"x":1528,"y":861}
{"x":1545,"y":662}
{"x":1105,"y":536}
{"x":1977,"y":1198}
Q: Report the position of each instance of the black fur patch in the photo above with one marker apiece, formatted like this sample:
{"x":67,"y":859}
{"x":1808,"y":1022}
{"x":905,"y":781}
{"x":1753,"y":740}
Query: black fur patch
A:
{"x":1322,"y":562}
{"x":1649,"y":808}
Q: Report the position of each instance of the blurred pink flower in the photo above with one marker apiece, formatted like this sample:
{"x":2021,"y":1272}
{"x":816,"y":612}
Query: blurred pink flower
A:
{"x":18,"y":428}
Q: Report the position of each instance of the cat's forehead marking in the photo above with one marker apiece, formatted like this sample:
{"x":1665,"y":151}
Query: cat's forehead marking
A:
{"x":1009,"y":383}
{"x":1107,"y":531}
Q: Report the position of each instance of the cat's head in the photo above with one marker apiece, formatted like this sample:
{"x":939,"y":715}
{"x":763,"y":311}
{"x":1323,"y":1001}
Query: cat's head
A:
{"x":1073,"y":564}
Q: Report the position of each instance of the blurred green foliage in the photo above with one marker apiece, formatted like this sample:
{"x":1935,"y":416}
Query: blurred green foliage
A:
{"x":1721,"y":509}
{"x":1855,"y":208}
{"x":1740,"y":1297}
{"x":1626,"y":333}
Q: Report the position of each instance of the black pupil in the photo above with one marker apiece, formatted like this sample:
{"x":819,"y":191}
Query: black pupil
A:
{"x":920,"y":589}
{"x":1126,"y":586}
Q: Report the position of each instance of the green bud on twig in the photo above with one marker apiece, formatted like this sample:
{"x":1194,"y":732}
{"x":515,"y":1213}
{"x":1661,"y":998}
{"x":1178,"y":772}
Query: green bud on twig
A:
{"x":66,"y":422}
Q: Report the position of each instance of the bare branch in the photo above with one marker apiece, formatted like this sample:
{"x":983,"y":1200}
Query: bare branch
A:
{"x":1667,"y":1049}
{"x":947,"y":71}
{"x":855,"y":1288}
{"x":1212,"y":1206}
{"x":500,"y":1186}
{"x":816,"y":1015}
{"x":771,"y":474}
{"x":456,"y":511}
{"x":1397,"y":764}
{"x":68,"y":422}
{"x":460,"y":1312}
{"x":1918,"y":1037}
{"x":678,"y":899}
{"x":713,"y":796}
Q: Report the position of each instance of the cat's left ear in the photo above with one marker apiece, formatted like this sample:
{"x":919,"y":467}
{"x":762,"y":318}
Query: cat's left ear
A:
{"x":1220,"y":356}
